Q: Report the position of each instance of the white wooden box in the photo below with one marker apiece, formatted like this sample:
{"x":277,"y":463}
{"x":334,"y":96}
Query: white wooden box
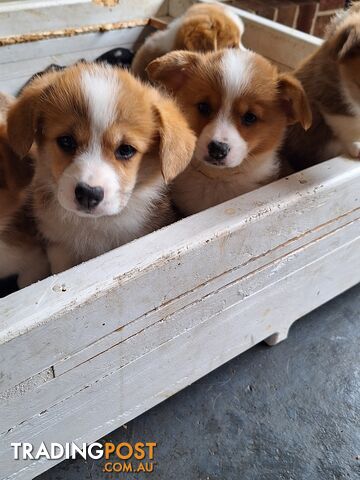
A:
{"x":83,"y":352}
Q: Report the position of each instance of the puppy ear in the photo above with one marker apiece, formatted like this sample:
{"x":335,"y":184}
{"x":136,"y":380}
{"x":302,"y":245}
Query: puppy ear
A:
{"x":173,"y":69}
{"x":198,"y":34}
{"x":294,"y":101}
{"x":347,"y":43}
{"x":177,"y":141}
{"x":22,"y":119}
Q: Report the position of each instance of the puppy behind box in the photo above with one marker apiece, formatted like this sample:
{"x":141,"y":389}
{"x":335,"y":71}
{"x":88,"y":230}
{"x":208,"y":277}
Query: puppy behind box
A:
{"x":107,"y":146}
{"x":239,"y":106}
{"x":330,"y":78}
{"x":203,"y":27}
{"x":21,"y":252}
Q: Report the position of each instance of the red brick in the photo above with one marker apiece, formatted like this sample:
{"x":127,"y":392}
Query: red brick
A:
{"x":259,"y":7}
{"x":307,"y":12}
{"x":287,"y":14}
{"x":331,"y":4}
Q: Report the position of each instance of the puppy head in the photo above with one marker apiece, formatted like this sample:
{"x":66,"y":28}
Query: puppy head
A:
{"x":209,"y":27}
{"x":344,"y":44}
{"x":235,"y":101}
{"x":99,"y":133}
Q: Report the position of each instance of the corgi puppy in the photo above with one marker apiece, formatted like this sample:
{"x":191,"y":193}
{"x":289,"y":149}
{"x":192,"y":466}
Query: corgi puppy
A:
{"x":203,"y":27}
{"x":107,"y":146}
{"x":331,"y":79}
{"x":239,"y":106}
{"x":21,"y":252}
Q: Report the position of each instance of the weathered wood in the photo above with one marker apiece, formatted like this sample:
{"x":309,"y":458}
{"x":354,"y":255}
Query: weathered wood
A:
{"x":273,"y":215}
{"x":33,"y":17}
{"x":222,"y":334}
{"x":61,"y":52}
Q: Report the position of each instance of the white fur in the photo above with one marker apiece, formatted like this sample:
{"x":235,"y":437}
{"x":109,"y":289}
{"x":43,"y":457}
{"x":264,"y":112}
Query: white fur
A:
{"x":236,"y":72}
{"x":80,"y":239}
{"x":164,"y":40}
{"x":222,"y":130}
{"x":101,"y":90}
{"x":347,"y":129}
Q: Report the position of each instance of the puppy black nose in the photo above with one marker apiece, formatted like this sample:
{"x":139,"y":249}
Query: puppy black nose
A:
{"x":88,"y":197}
{"x":218,"y":150}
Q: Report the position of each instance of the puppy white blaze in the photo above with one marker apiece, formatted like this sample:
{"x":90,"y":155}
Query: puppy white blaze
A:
{"x":100,"y":87}
{"x":101,"y":90}
{"x":236,"y":72}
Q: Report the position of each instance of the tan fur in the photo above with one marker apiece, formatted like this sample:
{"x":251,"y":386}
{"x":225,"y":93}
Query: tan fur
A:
{"x":202,"y":28}
{"x":330,"y":78}
{"x":55,"y":105}
{"x":5,"y":102}
{"x":276,"y":99}
{"x":21,"y":251}
{"x":206,"y":28}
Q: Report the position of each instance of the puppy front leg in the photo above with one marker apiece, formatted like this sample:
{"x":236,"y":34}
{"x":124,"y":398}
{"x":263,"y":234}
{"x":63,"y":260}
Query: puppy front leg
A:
{"x":60,"y":259}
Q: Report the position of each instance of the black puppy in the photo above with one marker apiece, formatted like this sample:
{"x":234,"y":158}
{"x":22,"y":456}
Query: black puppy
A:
{"x":121,"y":57}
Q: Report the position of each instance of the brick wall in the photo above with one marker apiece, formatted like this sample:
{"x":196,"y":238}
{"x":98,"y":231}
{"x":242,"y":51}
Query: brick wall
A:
{"x":310,"y":16}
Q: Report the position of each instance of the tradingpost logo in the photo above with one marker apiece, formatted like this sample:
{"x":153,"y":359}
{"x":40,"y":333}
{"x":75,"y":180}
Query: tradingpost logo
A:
{"x":121,"y":457}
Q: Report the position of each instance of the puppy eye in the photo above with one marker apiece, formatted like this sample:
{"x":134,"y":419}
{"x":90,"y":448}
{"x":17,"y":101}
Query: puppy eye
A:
{"x":249,"y":119}
{"x":204,"y":108}
{"x":125,"y":152}
{"x":67,"y":143}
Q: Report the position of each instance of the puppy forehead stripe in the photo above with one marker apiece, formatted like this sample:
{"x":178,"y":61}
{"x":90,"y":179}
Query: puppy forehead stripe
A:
{"x":100,"y":88}
{"x":237,"y":71}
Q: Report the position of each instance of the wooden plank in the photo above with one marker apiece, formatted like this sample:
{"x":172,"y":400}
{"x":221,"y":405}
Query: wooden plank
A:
{"x":14,"y":74}
{"x":173,"y":259}
{"x":230,"y":331}
{"x":233,"y":289}
{"x":145,"y":321}
{"x":35,"y":17}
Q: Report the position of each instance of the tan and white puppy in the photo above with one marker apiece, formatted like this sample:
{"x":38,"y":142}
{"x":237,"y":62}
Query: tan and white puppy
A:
{"x":107,"y":147}
{"x":331,"y":79}
{"x":239,"y":106}
{"x":202,"y":28}
{"x":21,"y":252}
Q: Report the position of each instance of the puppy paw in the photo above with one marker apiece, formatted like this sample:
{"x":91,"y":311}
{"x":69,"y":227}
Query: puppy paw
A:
{"x":354,"y":149}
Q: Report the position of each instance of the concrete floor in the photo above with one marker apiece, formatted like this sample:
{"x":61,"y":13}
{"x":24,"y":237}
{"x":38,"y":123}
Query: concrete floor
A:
{"x":290,"y":412}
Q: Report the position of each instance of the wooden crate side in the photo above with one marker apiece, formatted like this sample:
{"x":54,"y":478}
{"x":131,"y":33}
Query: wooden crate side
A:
{"x":36,"y":56}
{"x":59,"y":316}
{"x":223,"y":333}
{"x":232,"y":290}
{"x":22,"y":18}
